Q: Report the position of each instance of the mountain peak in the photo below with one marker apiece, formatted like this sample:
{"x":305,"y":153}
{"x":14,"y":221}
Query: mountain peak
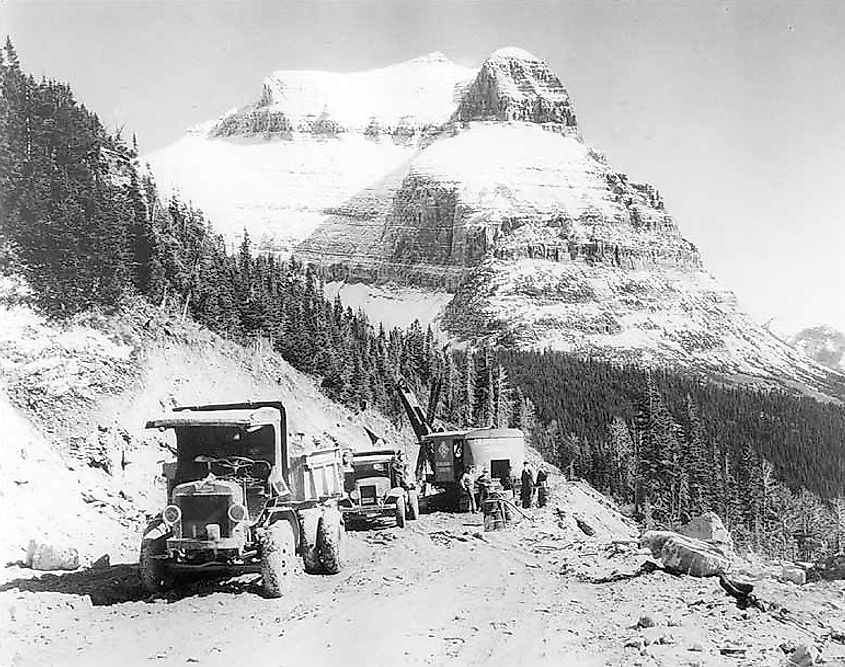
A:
{"x":511,"y":85}
{"x":433,"y":57}
{"x":513,"y":53}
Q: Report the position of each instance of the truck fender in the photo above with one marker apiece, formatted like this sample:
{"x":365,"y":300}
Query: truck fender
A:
{"x":289,"y":515}
{"x":308,"y":520}
{"x":394,"y":493}
{"x":156,"y":529}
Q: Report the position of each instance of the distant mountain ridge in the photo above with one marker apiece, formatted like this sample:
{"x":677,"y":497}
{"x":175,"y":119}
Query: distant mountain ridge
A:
{"x":477,"y":186}
{"x":822,"y":343}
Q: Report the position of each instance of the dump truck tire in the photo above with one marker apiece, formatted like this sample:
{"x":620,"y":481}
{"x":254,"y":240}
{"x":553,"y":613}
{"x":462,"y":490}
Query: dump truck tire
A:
{"x":310,"y":520}
{"x":413,"y":505}
{"x":400,"y":512}
{"x":153,"y":571}
{"x":330,"y":543}
{"x":277,"y":554}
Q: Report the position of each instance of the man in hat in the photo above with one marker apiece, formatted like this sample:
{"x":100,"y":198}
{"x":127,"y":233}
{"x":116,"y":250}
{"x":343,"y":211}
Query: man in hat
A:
{"x":527,"y":490}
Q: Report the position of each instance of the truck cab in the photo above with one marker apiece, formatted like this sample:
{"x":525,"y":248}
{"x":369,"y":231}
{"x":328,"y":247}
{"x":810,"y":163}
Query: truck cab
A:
{"x":377,"y":487}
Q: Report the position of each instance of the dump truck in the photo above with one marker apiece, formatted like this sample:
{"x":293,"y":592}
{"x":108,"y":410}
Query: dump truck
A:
{"x":377,"y":489}
{"x":237,"y":502}
{"x":445,"y":455}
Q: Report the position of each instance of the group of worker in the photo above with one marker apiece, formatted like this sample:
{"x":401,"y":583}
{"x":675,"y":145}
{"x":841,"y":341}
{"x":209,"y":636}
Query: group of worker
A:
{"x":476,"y":482}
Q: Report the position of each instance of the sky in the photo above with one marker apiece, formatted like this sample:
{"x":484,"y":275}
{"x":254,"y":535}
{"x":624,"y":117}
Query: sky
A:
{"x":734,"y":110}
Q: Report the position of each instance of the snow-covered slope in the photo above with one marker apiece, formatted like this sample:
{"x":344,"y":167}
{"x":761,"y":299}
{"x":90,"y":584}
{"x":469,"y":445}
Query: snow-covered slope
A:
{"x":312,"y":140}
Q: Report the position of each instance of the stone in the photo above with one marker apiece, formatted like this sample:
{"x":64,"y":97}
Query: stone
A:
{"x":646,"y":621}
{"x":102,"y":561}
{"x":803,"y":656}
{"x":709,"y":528}
{"x":685,"y":555}
{"x":794,"y":574}
{"x":40,"y":556}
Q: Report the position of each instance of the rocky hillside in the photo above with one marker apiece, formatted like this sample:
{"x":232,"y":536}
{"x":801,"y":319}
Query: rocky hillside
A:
{"x":476,"y":188}
{"x":79,"y":468}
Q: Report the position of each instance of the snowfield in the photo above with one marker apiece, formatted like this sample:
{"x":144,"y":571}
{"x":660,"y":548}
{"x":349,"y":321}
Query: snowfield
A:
{"x":416,"y":93}
{"x":276,"y":189}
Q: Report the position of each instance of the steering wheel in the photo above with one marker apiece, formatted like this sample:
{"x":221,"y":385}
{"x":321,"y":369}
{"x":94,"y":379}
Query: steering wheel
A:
{"x":236,"y":463}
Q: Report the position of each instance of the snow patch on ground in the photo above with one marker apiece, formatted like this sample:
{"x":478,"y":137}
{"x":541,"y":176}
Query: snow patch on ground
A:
{"x":391,"y":305}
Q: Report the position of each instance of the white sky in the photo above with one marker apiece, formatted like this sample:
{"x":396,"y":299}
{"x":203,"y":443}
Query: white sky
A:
{"x":735,"y":111}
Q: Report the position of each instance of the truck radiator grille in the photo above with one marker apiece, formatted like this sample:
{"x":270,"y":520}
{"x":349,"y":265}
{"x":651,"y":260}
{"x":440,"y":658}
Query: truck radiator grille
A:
{"x":199,"y":511}
{"x":368,"y":495}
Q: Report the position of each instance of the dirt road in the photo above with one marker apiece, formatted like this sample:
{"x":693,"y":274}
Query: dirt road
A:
{"x":441,"y":591}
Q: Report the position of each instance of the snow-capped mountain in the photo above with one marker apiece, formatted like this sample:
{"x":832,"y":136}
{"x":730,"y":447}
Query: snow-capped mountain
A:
{"x":426,"y":182}
{"x":822,"y":343}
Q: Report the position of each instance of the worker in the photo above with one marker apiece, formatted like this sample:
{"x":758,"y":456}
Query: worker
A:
{"x":542,"y":488}
{"x":509,"y":482}
{"x":467,"y":488}
{"x":482,"y":487}
{"x":400,"y":469}
{"x":527,"y":490}
{"x":348,"y":471}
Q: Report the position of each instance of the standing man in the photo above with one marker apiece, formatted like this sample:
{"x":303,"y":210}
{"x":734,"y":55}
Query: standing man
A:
{"x":400,"y":469}
{"x":527,"y":490}
{"x":482,"y":486}
{"x":542,"y":489}
{"x":467,"y":489}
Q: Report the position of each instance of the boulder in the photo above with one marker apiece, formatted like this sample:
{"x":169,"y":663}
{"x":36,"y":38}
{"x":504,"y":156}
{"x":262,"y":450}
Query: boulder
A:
{"x":685,"y":555}
{"x":803,"y":656}
{"x":40,"y":556}
{"x":709,"y":528}
{"x":796,"y":575}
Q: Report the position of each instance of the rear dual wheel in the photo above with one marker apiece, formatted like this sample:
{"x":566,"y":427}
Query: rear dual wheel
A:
{"x":323,"y":555}
{"x":413,"y":505}
{"x":400,"y":511}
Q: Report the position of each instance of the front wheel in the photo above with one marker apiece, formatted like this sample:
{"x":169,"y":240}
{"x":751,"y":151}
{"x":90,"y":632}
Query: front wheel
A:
{"x":413,"y":505}
{"x":400,"y":512}
{"x":152,"y":568}
{"x":277,"y":553}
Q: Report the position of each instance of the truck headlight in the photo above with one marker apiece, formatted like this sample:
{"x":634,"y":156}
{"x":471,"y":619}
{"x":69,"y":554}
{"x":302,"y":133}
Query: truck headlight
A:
{"x":355,"y":494}
{"x":237,"y":513}
{"x":171,"y":514}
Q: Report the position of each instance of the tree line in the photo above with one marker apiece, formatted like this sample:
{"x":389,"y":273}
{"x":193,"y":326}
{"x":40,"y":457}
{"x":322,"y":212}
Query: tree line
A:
{"x":87,"y":227}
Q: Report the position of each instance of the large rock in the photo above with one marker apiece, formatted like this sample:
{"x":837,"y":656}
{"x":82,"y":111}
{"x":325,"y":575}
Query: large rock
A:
{"x":796,"y":575}
{"x":709,"y":528}
{"x":40,"y":556}
{"x":685,"y":555}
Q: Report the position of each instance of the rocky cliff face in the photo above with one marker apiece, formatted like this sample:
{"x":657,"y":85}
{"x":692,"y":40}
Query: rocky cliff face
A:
{"x":477,"y":186}
{"x":514,"y":85}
